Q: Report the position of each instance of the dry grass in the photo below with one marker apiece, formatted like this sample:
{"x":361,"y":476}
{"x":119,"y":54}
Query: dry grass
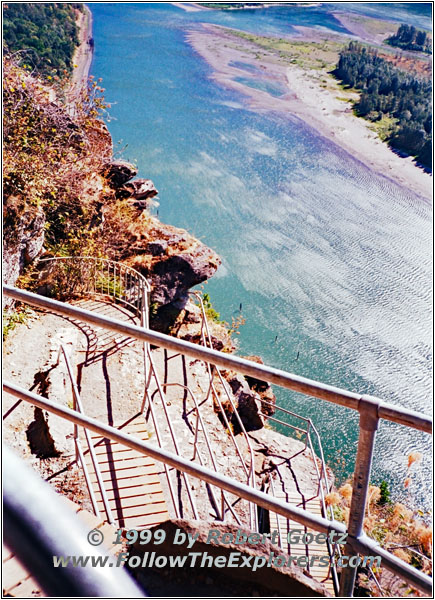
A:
{"x":393,"y":525}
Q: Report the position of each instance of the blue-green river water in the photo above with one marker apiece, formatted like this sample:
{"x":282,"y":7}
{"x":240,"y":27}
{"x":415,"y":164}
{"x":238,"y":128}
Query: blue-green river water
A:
{"x":331,"y":262}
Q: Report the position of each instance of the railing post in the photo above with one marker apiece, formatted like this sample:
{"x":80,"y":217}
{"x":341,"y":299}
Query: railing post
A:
{"x":144,"y":321}
{"x":368,"y":424}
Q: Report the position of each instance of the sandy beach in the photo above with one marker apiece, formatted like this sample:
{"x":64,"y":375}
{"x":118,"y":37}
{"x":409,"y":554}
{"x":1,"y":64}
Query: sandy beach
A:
{"x":82,"y":58}
{"x":317,"y":105}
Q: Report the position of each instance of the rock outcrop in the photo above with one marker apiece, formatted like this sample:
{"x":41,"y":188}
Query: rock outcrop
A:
{"x":140,"y":189}
{"x":211,"y":580}
{"x":263,"y":389}
{"x":23,"y":242}
{"x":248,"y":404}
{"x":118,"y":172}
{"x":171,"y":259}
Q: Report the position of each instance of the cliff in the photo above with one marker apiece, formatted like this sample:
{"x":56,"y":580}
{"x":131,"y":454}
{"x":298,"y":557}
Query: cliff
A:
{"x":65,"y":195}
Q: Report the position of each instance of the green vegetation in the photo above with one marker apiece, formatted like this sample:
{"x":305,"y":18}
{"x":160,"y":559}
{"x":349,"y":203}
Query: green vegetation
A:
{"x":12,"y":319}
{"x":399,"y":99}
{"x":384,"y":127}
{"x":393,"y":525}
{"x":384,"y":497}
{"x":46,"y":33}
{"x":210,"y":312}
{"x":408,"y":37}
{"x":308,"y":55}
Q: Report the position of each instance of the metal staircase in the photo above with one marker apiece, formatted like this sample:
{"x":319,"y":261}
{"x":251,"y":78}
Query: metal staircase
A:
{"x":121,"y":469}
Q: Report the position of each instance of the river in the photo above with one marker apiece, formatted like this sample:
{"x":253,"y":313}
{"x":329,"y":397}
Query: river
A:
{"x":330,"y":262}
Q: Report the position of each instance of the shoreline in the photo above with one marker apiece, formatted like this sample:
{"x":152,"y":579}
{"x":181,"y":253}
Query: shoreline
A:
{"x":194,"y":7}
{"x":306,"y":99}
{"x":83,"y":54}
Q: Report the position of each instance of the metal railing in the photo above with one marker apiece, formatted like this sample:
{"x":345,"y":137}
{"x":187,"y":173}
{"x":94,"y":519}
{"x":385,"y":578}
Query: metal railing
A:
{"x":370,"y":409}
{"x":78,"y":406}
{"x":148,"y":405}
{"x":363,"y":544}
{"x":78,"y":275}
{"x":68,"y":276}
{"x":323,"y":487}
{"x":206,"y":341}
{"x":87,"y":275}
{"x":37,"y":526}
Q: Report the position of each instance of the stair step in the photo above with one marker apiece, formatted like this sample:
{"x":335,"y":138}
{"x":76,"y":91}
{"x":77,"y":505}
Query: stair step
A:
{"x":130,"y":479}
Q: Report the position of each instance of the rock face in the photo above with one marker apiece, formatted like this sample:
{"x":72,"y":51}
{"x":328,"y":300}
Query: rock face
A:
{"x":172,"y":278}
{"x":210,"y":580}
{"x":263,"y":389}
{"x":22,"y":245}
{"x":248,"y":405}
{"x":171,"y":259}
{"x":118,"y":172}
{"x":141,"y":189}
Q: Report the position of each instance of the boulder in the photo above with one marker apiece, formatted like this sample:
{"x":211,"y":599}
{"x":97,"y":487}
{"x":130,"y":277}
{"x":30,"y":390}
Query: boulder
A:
{"x":195,"y":338}
{"x":263,"y":388}
{"x":118,"y":172}
{"x":211,"y":580}
{"x":141,"y":189}
{"x":248,"y":404}
{"x":172,"y":277}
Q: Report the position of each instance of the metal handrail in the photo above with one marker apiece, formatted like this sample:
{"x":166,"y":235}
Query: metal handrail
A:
{"x":361,"y":544}
{"x":147,"y":402}
{"x":371,"y":410}
{"x":199,"y":420}
{"x":105,"y":277}
{"x":206,"y":337}
{"x":37,"y":525}
{"x":126,"y":277}
{"x":310,"y":387}
{"x":172,"y":432}
{"x":322,"y":479}
{"x":79,"y":407}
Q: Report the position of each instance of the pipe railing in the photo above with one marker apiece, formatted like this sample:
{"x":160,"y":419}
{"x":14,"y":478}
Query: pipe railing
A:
{"x":323,"y":488}
{"x":90,"y":274}
{"x":78,"y":406}
{"x":297,"y":383}
{"x":371,"y":410}
{"x":196,"y":452}
{"x":322,"y":482}
{"x":360,"y":545}
{"x":207,"y":342}
{"x":78,"y":275}
{"x":37,"y":525}
{"x":174,"y":437}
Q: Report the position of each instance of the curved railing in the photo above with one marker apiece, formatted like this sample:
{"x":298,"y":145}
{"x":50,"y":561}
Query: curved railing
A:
{"x":77,"y":275}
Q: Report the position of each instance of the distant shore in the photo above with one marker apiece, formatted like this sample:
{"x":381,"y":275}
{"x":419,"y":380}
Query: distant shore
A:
{"x":83,"y":54}
{"x":307,"y":99}
{"x":194,"y":7}
{"x":190,"y":6}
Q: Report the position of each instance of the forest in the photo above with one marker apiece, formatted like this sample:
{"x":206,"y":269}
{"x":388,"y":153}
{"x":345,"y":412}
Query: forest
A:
{"x":388,"y":92}
{"x":46,"y":35}
{"x":408,"y":37}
